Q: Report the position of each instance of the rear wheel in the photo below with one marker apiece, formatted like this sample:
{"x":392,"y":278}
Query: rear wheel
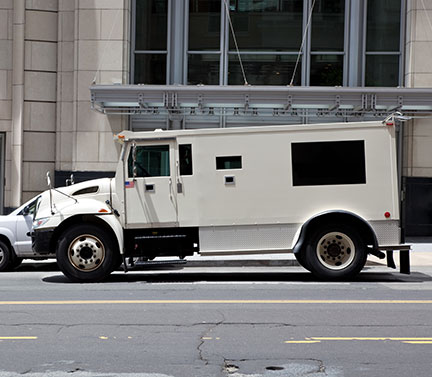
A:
{"x":302,"y":260}
{"x":336,"y":252}
{"x":86,"y":253}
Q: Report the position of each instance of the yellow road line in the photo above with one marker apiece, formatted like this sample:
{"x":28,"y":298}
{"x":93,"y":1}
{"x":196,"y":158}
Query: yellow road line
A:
{"x":302,"y":341}
{"x":417,"y":342}
{"x":18,"y":337}
{"x":101,"y":302}
{"x":371,"y":338}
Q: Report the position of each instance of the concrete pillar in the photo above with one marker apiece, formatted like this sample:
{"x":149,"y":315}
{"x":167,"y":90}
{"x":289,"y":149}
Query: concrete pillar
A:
{"x":17,"y":102}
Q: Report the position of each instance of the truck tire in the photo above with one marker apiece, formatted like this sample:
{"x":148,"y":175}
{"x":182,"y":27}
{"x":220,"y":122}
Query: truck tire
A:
{"x":86,"y":253}
{"x":5,"y":257}
{"x":336,"y":252}
{"x":302,"y":260}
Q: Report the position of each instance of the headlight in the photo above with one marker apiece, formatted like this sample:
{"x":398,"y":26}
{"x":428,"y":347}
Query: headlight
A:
{"x":39,"y":222}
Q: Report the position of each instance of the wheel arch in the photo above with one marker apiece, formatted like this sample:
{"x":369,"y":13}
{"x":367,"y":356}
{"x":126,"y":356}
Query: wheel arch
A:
{"x":365,"y":230}
{"x":5,"y":239}
{"x":89,"y":219}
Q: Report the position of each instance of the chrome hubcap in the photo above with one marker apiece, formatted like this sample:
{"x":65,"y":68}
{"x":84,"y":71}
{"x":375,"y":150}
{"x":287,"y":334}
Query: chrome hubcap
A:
{"x":86,"y":253}
{"x":335,"y":251}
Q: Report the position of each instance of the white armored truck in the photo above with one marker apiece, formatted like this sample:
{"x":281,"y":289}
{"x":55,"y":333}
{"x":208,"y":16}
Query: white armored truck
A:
{"x":327,"y":192}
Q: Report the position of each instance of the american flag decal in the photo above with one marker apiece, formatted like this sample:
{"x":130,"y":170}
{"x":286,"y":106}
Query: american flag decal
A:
{"x":129,"y":184}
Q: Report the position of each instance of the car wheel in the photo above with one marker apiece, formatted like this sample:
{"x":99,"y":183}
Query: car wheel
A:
{"x":5,"y":257}
{"x":86,"y":253}
{"x":336,"y":252}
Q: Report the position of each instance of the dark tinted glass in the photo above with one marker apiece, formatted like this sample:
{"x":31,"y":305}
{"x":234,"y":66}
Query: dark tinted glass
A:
{"x":228,"y":162}
{"x":270,"y":25}
{"x":151,"y":161}
{"x":204,"y":69}
{"x":328,"y":163}
{"x":150,"y":69}
{"x":204,"y":24}
{"x":383,"y":25}
{"x":151,"y":25}
{"x":326,"y":70}
{"x":328,"y":25}
{"x":382,"y":70}
{"x":185,"y":156}
{"x":263,"y":69}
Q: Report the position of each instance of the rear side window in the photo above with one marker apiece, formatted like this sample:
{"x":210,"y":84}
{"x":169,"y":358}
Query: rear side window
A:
{"x":185,"y":156}
{"x":228,"y":162}
{"x":328,"y":163}
{"x":151,"y":161}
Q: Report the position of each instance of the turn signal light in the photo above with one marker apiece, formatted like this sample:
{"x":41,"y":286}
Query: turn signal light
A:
{"x":103,"y":210}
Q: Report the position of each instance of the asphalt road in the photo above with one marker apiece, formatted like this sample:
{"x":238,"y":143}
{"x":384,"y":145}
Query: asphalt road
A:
{"x":187,"y":322}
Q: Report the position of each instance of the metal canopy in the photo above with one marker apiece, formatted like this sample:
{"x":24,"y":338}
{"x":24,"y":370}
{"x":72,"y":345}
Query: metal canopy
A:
{"x":174,"y":100}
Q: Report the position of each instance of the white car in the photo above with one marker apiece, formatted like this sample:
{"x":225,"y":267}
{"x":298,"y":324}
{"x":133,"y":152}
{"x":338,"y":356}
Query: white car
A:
{"x":15,"y":240}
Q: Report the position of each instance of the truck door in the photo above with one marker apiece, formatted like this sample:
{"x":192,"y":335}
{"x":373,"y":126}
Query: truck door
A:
{"x":149,"y":185}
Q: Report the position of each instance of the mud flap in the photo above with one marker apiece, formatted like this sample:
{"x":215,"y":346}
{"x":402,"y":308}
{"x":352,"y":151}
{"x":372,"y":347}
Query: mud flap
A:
{"x":404,"y":260}
{"x":390,"y":260}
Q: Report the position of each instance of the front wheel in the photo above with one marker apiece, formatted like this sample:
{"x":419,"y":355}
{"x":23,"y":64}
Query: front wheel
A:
{"x":336,"y":252}
{"x":86,"y":253}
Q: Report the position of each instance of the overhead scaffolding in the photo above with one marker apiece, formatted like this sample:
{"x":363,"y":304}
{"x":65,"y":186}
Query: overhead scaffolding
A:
{"x":238,"y":103}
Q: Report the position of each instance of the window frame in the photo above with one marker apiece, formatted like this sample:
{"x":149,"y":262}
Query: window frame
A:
{"x":354,"y":52}
{"x":134,"y":52}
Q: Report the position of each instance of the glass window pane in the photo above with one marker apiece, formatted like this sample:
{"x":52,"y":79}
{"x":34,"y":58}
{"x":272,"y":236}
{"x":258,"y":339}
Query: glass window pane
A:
{"x":328,"y":25}
{"x":151,"y":161}
{"x":203,"y":69}
{"x":151,"y":25}
{"x":228,"y":162}
{"x":328,"y":163}
{"x":382,"y":70}
{"x":271,"y":25}
{"x":185,"y":157}
{"x":383,"y":25}
{"x":326,"y":70}
{"x":150,"y":69}
{"x":264,"y":69}
{"x":204,"y":24}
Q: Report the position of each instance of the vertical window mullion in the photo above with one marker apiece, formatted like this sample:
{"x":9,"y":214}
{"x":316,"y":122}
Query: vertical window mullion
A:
{"x":133,"y":41}
{"x":186,"y":43}
{"x":224,"y":45}
{"x":169,"y":43}
{"x":305,"y":58}
{"x":346,"y":43}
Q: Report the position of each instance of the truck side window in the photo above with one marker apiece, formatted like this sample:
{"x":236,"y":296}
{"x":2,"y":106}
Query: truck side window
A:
{"x":185,"y":156}
{"x":228,"y":162}
{"x":328,"y":163}
{"x":151,"y":161}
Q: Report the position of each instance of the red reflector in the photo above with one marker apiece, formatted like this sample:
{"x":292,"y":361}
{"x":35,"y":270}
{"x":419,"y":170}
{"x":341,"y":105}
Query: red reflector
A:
{"x":387,"y":215}
{"x":103,"y":210}
{"x":390,"y":124}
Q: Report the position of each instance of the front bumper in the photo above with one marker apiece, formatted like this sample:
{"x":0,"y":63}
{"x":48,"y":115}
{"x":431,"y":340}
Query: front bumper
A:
{"x":41,"y":241}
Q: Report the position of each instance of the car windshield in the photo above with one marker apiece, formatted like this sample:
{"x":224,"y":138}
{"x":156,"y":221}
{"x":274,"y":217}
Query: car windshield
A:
{"x":31,"y":204}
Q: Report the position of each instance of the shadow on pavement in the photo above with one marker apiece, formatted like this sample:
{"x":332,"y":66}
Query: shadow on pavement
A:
{"x":191,"y":277}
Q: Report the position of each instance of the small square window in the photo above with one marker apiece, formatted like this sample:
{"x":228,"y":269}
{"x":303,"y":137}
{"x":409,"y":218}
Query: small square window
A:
{"x":228,"y":162}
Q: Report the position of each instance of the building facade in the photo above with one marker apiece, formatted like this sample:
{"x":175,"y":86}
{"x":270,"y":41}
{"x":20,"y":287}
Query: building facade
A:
{"x":52,"y":52}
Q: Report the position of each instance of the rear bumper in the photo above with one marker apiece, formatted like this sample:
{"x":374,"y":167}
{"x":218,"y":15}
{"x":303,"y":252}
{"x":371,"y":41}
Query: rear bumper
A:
{"x":404,"y":257}
{"x":41,"y":241}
